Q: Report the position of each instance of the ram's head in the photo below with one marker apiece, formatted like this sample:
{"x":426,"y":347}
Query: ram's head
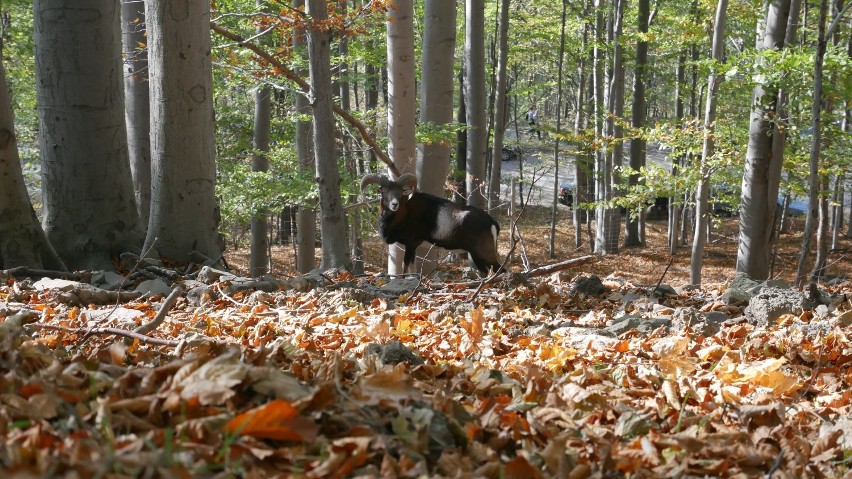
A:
{"x":394,"y":193}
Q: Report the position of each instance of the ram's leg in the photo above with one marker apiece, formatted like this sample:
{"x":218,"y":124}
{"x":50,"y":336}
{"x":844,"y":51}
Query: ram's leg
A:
{"x":408,"y":260}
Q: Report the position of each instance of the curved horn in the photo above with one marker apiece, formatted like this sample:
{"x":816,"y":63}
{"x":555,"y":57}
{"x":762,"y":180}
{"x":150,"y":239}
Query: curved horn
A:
{"x":369,"y":180}
{"x":407,"y":181}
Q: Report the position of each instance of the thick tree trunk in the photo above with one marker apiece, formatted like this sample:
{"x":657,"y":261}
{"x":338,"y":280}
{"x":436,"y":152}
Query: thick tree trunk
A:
{"x":306,"y":217}
{"x":436,"y":104}
{"x":22,"y":241}
{"x":335,"y":247}
{"x":762,"y":173}
{"x":474,"y":55}
{"x":184,"y":214}
{"x":136,"y":104}
{"x":702,"y":194}
{"x":90,"y":211}
{"x":499,"y":107}
{"x":401,"y":105}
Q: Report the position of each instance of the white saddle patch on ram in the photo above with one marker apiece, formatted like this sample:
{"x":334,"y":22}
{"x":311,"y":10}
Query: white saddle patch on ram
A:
{"x":447,"y":222}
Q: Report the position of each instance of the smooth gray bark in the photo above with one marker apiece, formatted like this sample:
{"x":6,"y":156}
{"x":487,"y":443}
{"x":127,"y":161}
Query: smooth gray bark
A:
{"x":583,"y":161}
{"x":817,"y":206}
{"x":635,"y":230}
{"x":184,"y":215}
{"x":475,"y":96}
{"x":606,"y":218}
{"x":702,"y":194}
{"x":762,"y":172}
{"x":558,"y":130}
{"x":500,"y":107}
{"x":22,"y":240}
{"x":306,"y":216}
{"x":436,"y":104}
{"x":335,"y":247}
{"x":137,"y":112}
{"x":259,"y":249}
{"x":401,"y":101}
{"x":90,"y":213}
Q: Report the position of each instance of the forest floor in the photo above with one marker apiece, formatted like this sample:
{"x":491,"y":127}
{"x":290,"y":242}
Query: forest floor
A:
{"x":335,"y":375}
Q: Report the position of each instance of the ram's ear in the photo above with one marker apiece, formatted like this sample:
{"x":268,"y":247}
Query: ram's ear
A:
{"x":408,"y":183}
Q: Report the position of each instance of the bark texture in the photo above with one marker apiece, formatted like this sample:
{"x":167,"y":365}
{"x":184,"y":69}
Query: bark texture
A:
{"x":474,"y":92}
{"x":89,"y":207}
{"x":401,"y":105}
{"x":22,"y":241}
{"x":762,"y":173}
{"x":335,"y":244}
{"x":184,"y":214}
{"x":136,"y":103}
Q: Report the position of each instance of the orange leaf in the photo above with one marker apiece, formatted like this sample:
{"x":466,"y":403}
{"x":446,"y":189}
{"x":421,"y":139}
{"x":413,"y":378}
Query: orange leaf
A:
{"x":276,"y":420}
{"x":520,"y":468}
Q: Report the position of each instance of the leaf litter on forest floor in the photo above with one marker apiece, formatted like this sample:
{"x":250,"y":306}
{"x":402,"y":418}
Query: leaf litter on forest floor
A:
{"x":335,"y":381}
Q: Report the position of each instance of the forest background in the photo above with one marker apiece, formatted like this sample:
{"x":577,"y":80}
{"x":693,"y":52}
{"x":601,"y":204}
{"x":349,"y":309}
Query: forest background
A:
{"x":149,"y":138}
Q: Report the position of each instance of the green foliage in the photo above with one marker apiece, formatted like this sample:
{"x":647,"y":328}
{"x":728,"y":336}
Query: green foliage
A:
{"x":18,"y":59}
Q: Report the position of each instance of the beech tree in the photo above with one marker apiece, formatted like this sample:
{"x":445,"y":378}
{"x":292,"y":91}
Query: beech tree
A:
{"x":475,"y":107}
{"x":500,"y":106}
{"x":258,"y":253}
{"x":762,"y":173}
{"x":401,"y":105}
{"x":436,"y":103}
{"x":184,"y":215}
{"x":22,"y":240}
{"x":335,"y":244}
{"x":702,"y":194}
{"x":306,"y":217}
{"x":137,"y":112}
{"x":90,"y":212}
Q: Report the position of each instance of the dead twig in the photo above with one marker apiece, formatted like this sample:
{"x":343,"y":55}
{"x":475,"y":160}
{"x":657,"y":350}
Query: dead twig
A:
{"x":105,"y":331}
{"x":25,"y":272}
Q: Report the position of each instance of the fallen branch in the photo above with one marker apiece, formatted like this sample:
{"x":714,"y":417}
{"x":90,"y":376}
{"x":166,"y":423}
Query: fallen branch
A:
{"x":25,"y":272}
{"x":552,"y":268}
{"x":292,"y":76}
{"x":167,"y":306}
{"x":113,"y":331}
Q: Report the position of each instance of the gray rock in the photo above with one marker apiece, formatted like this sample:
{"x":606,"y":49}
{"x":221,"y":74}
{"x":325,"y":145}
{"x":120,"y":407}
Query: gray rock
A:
{"x":705,"y":324}
{"x":629,"y":323}
{"x":399,"y":286}
{"x":588,"y":285}
{"x":107,"y":280}
{"x":393,"y":352}
{"x":663,"y":290}
{"x":153,"y":287}
{"x":740,"y":290}
{"x":768,"y":305}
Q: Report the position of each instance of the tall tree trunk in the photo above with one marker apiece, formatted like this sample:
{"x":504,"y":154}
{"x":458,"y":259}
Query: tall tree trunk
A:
{"x":817,"y":206}
{"x":136,"y":104}
{"x":674,"y":206}
{"x":306,"y":216}
{"x":436,"y":104}
{"x":461,"y":140}
{"x":615,"y":104}
{"x":635,"y":231}
{"x":499,"y":107}
{"x":335,"y":247}
{"x":259,"y":257}
{"x":702,"y":193}
{"x":22,"y":240}
{"x":401,"y":105}
{"x":259,"y":250}
{"x":582,"y":161}
{"x":555,"y":201}
{"x":474,"y":59}
{"x":606,"y":222}
{"x":90,"y":211}
{"x":762,"y":173}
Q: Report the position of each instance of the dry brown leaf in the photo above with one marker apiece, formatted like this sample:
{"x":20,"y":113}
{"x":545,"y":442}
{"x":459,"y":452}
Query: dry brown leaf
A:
{"x":276,"y":420}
